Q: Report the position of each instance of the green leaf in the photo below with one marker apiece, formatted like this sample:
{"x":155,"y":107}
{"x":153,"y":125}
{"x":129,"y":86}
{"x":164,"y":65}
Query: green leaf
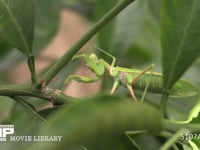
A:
{"x":83,"y":7}
{"x":197,"y":117}
{"x":183,"y":109}
{"x":97,"y":122}
{"x":46,"y":22}
{"x":5,"y":108}
{"x":4,"y":47}
{"x":48,"y":111}
{"x":105,"y":36}
{"x":195,"y":144}
{"x":126,"y":30}
{"x":138,"y":138}
{"x":30,"y":108}
{"x":180,"y":38}
{"x":17,"y":23}
{"x":25,"y":125}
{"x":184,"y":88}
{"x":147,"y":42}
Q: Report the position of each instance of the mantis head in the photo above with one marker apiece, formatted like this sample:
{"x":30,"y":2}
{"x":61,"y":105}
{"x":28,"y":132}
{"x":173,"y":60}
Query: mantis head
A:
{"x":93,"y":57}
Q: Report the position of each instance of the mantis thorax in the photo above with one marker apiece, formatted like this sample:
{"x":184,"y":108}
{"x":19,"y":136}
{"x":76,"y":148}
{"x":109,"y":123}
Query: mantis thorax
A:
{"x":114,"y":72}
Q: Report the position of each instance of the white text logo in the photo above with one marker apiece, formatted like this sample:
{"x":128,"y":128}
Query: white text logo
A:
{"x":5,"y":130}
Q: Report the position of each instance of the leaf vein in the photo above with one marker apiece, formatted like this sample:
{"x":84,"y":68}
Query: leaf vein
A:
{"x":15,"y":22}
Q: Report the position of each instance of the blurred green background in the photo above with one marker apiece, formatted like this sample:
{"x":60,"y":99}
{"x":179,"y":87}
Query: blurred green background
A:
{"x":133,"y":38}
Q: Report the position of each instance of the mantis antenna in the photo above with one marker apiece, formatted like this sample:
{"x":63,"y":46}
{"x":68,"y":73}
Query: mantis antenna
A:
{"x":113,"y":58}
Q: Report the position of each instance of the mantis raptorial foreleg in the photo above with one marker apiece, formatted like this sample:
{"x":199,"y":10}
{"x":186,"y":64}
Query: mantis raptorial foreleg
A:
{"x":81,"y":79}
{"x":95,"y":64}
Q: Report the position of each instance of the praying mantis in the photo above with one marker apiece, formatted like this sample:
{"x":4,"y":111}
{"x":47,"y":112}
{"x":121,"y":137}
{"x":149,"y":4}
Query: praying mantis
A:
{"x":129,"y":78}
{"x":121,"y":75}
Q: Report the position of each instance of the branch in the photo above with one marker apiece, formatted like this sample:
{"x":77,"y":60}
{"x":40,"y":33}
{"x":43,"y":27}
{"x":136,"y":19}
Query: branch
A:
{"x":29,"y":108}
{"x":28,"y":90}
{"x":31,"y":65}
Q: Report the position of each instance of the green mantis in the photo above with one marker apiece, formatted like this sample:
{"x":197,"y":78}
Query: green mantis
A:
{"x":121,"y":75}
{"x":130,"y":78}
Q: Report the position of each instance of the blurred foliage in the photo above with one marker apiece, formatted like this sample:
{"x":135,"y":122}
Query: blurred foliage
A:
{"x":85,"y":7}
{"x":25,"y":124}
{"x":101,"y":109}
{"x":143,"y":38}
{"x":5,"y":47}
{"x":180,"y":39}
{"x":134,"y":39}
{"x":47,"y":17}
{"x":16,"y":31}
